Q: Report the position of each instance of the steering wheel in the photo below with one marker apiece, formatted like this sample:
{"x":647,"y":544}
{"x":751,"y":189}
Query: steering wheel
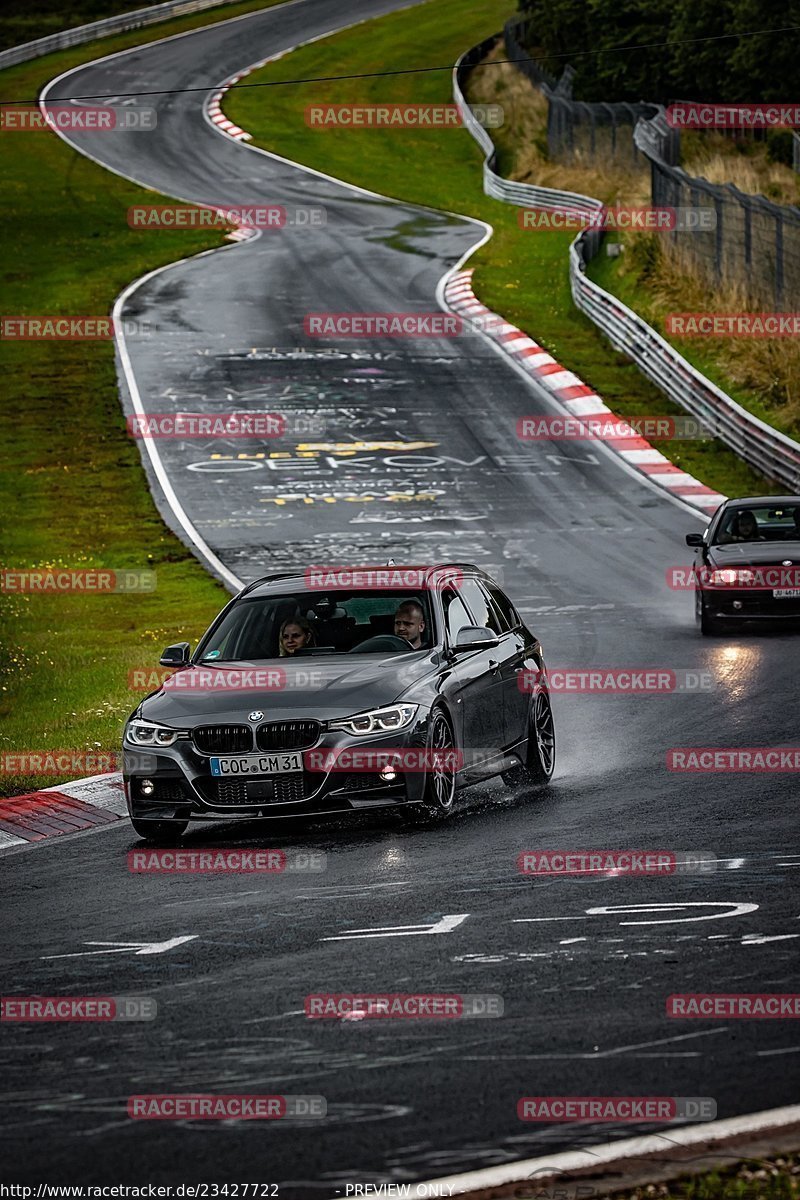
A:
{"x":382,"y":641}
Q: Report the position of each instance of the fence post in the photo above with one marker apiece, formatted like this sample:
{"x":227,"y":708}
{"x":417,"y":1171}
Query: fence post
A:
{"x":748,"y":235}
{"x":779,"y":261}
{"x":718,"y":207}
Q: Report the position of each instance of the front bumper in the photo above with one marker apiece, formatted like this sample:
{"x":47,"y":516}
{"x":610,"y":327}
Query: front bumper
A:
{"x":731,"y":604}
{"x":185,"y":789}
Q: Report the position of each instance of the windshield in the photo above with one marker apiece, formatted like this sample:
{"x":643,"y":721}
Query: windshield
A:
{"x":304,"y":624}
{"x":759,"y":524}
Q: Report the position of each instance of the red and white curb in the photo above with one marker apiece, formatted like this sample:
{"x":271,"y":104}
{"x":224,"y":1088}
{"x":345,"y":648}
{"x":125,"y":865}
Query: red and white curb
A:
{"x":68,"y":808}
{"x":217,"y":116}
{"x":679,"y":1151}
{"x":576,"y":397}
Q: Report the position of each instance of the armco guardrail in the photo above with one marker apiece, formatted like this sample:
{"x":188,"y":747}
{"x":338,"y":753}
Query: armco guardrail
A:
{"x":771,"y":452}
{"x":121,"y":23}
{"x":764,"y":448}
{"x":495,"y":185}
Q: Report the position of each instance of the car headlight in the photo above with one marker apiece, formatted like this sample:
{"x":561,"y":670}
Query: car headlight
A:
{"x":146,"y":733}
{"x":724,"y":578}
{"x":379,"y":720}
{"x":730,"y":577}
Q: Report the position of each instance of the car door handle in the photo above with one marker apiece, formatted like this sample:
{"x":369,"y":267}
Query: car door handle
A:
{"x":493,"y":666}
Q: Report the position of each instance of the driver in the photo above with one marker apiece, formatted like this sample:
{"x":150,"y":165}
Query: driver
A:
{"x":295,"y":634}
{"x":409,"y":622}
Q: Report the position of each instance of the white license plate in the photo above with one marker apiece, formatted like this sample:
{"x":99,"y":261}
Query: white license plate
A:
{"x":257,"y":764}
{"x":786,"y":593}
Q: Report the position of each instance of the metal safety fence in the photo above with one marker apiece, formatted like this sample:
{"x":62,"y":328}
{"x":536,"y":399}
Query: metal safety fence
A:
{"x":772,"y":453}
{"x":755,"y":243}
{"x":121,"y":23}
{"x":578,"y":131}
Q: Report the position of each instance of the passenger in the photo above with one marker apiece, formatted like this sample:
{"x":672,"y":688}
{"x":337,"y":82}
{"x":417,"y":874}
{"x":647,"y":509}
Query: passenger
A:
{"x":295,"y":634}
{"x":409,"y":622}
{"x":744,"y":527}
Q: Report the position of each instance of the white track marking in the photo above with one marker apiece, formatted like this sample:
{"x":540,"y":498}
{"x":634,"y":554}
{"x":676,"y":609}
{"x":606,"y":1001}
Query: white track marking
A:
{"x":126,"y":947}
{"x":445,"y":924}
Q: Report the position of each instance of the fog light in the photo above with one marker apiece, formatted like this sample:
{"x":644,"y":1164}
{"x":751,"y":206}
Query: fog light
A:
{"x":147,"y":787}
{"x":737,"y":604}
{"x":389,"y":773}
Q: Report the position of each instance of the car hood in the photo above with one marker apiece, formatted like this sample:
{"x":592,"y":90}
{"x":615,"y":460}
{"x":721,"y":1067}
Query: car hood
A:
{"x":754,"y":553}
{"x":316,"y":686}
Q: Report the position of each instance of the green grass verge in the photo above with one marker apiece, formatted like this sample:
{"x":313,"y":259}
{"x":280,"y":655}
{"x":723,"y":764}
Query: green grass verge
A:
{"x":72,"y":489}
{"x":521,"y":274}
{"x":751,"y":1179}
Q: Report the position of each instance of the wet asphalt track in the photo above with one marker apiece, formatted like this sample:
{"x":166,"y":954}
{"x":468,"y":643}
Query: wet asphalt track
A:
{"x":583,"y":548}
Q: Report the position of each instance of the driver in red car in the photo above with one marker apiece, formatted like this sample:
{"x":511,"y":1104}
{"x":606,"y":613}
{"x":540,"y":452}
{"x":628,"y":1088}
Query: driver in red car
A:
{"x":409,"y":623}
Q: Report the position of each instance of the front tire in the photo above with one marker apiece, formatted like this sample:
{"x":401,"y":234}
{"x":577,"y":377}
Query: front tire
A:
{"x":540,"y":763}
{"x":707,"y":625}
{"x":440,"y":782}
{"x":168,"y":832}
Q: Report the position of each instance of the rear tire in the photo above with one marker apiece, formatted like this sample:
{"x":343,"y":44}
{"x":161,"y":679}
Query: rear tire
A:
{"x":540,"y":763}
{"x":168,"y":832}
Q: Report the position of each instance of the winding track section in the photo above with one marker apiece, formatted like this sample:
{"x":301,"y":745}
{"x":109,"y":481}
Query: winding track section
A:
{"x":583,"y":546}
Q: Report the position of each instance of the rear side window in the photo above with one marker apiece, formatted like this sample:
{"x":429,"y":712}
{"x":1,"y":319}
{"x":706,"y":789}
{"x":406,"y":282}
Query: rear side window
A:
{"x":480,"y":606}
{"x":508,"y":614}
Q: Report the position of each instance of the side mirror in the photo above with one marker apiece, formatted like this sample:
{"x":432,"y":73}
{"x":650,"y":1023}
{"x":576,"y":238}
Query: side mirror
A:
{"x":475,"y":637}
{"x":694,"y":539}
{"x":177,"y":655}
